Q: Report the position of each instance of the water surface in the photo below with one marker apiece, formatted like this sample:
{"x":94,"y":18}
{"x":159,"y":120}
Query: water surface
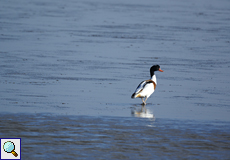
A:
{"x":82,"y":137}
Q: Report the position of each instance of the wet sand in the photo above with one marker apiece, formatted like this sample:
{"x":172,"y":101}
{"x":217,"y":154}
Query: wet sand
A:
{"x":85,"y":58}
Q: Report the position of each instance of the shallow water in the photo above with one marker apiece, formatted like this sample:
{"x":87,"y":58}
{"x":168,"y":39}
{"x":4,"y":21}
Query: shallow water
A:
{"x":79,"y":62}
{"x":86,"y":137}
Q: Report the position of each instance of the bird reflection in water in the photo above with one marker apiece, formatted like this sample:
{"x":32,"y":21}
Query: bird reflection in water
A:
{"x":143,"y":112}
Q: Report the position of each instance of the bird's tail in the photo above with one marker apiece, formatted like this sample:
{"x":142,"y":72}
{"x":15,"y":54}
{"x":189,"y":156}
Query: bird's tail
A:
{"x":136,"y":95}
{"x":133,"y":95}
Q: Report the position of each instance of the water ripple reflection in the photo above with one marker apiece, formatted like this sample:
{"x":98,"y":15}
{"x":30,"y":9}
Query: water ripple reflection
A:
{"x":143,"y":112}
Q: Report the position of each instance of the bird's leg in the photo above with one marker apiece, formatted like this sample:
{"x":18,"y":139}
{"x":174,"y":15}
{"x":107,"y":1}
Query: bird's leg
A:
{"x":143,"y":101}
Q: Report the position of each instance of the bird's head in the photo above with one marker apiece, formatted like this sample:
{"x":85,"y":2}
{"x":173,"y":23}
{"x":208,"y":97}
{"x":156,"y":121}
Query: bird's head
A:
{"x":155,"y":68}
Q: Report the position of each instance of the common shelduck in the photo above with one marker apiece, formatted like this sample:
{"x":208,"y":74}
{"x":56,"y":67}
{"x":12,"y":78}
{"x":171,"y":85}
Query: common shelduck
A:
{"x":147,"y":87}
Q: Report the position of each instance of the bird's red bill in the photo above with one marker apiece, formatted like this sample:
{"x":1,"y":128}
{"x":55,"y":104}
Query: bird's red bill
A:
{"x":161,"y":70}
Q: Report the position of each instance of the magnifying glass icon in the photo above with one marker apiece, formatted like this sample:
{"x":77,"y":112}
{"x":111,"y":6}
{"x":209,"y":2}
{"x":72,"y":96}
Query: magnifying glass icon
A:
{"x":9,"y":147}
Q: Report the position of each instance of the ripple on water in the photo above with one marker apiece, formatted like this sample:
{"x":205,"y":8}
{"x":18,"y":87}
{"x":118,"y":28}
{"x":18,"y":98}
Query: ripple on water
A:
{"x":117,"y":137}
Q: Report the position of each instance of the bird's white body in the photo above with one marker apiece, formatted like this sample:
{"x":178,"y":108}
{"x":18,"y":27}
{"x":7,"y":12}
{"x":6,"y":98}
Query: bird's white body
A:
{"x":147,"y":88}
{"x":147,"y":91}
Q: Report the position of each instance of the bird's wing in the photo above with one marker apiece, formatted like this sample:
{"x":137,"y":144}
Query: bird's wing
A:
{"x":140,"y":87}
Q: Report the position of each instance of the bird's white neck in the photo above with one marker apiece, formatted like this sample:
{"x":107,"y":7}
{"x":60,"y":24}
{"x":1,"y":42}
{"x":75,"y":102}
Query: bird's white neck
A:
{"x":154,"y":79}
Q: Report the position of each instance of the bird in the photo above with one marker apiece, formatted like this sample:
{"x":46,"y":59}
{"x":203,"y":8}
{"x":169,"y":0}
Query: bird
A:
{"x":147,"y":87}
